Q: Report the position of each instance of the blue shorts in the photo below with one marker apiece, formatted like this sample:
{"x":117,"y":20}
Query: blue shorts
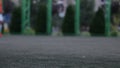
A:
{"x":7,"y":18}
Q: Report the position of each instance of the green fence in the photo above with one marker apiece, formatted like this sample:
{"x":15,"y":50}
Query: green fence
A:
{"x":26,"y":17}
{"x":107,"y":17}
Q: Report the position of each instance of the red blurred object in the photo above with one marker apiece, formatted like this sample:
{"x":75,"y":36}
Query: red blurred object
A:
{"x":1,"y":9}
{"x":0,"y":35}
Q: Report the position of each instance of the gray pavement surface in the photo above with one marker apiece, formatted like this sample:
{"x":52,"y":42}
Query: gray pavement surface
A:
{"x":59,"y":52}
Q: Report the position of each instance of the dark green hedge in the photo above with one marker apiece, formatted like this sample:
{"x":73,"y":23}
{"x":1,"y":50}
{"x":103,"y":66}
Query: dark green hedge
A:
{"x":40,"y":23}
{"x":97,"y":27}
{"x":69,"y":20}
{"x":15,"y":25}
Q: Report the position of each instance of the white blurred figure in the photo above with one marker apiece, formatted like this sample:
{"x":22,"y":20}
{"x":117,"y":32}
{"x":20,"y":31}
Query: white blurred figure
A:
{"x":58,"y":16}
{"x":98,"y":4}
{"x":59,"y":11}
{"x":61,"y":8}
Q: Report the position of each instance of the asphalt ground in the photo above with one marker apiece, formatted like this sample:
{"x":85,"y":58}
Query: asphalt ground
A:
{"x":59,"y":52}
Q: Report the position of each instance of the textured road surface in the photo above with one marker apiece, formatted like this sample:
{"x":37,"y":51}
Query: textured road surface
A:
{"x":59,"y":52}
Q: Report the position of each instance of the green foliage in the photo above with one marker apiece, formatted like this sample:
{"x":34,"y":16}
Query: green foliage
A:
{"x":15,"y":25}
{"x":85,"y":34}
{"x":114,"y":34}
{"x":40,"y":23}
{"x":97,"y":27}
{"x":29,"y":31}
{"x":68,"y":24}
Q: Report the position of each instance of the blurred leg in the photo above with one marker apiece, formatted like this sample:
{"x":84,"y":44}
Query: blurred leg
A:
{"x":1,"y":21}
{"x":0,"y":30}
{"x":6,"y":29}
{"x":7,"y":20}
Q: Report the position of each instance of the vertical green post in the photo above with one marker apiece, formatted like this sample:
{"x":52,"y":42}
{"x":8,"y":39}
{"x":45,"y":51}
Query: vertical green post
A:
{"x":25,"y":15}
{"x":107,"y":17}
{"x":77,"y":17}
{"x":49,"y":17}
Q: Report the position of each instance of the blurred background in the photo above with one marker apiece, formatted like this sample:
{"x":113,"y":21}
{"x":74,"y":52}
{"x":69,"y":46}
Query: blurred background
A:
{"x":91,"y":15}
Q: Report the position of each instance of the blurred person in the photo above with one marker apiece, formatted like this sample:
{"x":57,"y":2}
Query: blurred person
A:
{"x":115,"y":9}
{"x":1,"y":18}
{"x":8,"y":8}
{"x":58,"y":12}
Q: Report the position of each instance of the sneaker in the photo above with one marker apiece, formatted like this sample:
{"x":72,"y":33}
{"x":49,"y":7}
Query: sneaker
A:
{"x":6,"y":31}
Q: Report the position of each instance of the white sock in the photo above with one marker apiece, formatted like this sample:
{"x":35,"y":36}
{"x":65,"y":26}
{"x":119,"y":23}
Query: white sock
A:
{"x":5,"y":26}
{"x":0,"y":28}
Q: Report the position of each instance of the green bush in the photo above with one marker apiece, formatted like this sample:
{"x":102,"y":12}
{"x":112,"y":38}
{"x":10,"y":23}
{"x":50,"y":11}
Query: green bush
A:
{"x":68,"y":23}
{"x":15,"y":25}
{"x":29,"y":31}
{"x":97,"y":26}
{"x":114,"y":34}
{"x":40,"y":23}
